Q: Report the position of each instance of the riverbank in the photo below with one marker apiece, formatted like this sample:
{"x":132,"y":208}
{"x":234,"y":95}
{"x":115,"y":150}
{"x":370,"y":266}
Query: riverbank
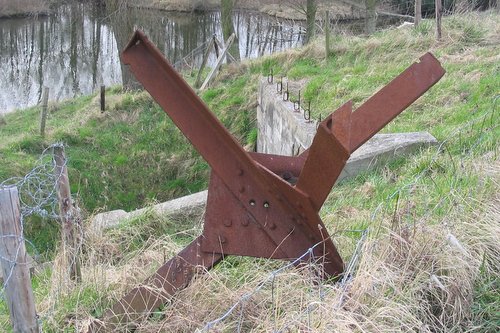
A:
{"x":285,"y":10}
{"x":22,"y":8}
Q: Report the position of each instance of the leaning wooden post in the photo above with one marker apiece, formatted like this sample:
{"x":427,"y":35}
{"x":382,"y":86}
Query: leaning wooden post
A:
{"x":439,"y":13}
{"x":13,"y":259}
{"x":204,"y":62}
{"x":43,"y":115}
{"x":69,"y":214}
{"x":218,"y":62}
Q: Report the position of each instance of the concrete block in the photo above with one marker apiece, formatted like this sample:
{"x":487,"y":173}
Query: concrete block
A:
{"x":183,"y":206}
{"x":382,"y":148}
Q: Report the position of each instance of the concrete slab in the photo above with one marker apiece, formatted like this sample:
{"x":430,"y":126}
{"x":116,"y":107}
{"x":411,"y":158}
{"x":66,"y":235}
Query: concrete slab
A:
{"x":183,"y":206}
{"x":382,"y":148}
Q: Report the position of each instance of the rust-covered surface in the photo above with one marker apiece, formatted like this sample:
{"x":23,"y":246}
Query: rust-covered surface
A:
{"x":258,"y":205}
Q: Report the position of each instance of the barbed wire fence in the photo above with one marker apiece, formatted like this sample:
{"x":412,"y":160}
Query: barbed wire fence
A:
{"x":477,"y":128}
{"x":38,"y":196}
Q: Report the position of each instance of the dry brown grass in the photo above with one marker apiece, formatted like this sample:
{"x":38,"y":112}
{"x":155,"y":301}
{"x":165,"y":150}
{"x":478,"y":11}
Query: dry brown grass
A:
{"x":417,"y":278}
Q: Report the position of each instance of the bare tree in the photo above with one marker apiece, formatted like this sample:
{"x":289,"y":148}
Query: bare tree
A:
{"x":310,"y":20}
{"x":418,"y":12}
{"x":308,"y":8}
{"x":123,"y":27}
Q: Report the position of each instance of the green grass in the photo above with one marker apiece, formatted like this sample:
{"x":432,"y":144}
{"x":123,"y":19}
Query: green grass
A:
{"x":133,"y":155}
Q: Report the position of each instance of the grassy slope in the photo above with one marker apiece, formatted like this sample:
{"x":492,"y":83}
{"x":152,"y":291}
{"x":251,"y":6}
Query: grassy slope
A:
{"x":410,"y":207}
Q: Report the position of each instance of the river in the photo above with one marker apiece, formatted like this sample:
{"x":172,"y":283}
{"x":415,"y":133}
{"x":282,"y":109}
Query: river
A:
{"x":75,"y":50}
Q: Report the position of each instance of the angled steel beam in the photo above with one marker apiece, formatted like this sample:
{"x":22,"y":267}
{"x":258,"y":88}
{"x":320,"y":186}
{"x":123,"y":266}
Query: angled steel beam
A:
{"x":258,"y":205}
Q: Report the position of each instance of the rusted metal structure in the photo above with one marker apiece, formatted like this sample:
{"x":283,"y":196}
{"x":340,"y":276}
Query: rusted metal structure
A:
{"x":258,"y":205}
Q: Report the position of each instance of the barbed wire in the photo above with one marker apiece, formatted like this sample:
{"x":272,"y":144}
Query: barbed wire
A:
{"x":37,"y":192}
{"x":38,"y":188}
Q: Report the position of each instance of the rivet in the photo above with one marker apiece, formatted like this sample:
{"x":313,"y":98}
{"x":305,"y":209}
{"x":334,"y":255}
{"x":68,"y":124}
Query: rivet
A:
{"x":228,"y":223}
{"x":266,"y":204}
{"x":252,"y":202}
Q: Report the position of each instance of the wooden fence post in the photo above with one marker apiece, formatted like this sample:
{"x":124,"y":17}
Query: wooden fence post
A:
{"x":43,"y":115}
{"x":16,"y":274}
{"x":327,"y":33}
{"x":70,"y":216}
{"x":103,"y":98}
{"x":439,"y":13}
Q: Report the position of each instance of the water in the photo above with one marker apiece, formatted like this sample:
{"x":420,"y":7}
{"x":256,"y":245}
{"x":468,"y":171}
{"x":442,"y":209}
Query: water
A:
{"x":75,"y":50}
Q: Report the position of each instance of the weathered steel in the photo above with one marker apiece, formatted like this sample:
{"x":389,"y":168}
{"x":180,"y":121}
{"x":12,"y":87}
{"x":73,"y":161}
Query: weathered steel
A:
{"x":260,"y":205}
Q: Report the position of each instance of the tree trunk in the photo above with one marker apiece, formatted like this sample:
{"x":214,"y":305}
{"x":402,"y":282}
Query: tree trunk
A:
{"x":418,"y":12}
{"x":123,"y":27}
{"x":228,"y":28}
{"x":310,"y":20}
{"x":371,"y":16}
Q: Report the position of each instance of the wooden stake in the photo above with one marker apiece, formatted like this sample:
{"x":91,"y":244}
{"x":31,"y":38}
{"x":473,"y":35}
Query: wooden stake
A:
{"x":103,"y":98}
{"x":13,"y":259}
{"x":70,"y":217}
{"x":43,"y":116}
{"x":327,"y":33}
{"x":439,"y":12}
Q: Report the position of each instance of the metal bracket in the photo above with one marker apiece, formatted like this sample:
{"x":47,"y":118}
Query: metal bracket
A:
{"x":258,"y":205}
